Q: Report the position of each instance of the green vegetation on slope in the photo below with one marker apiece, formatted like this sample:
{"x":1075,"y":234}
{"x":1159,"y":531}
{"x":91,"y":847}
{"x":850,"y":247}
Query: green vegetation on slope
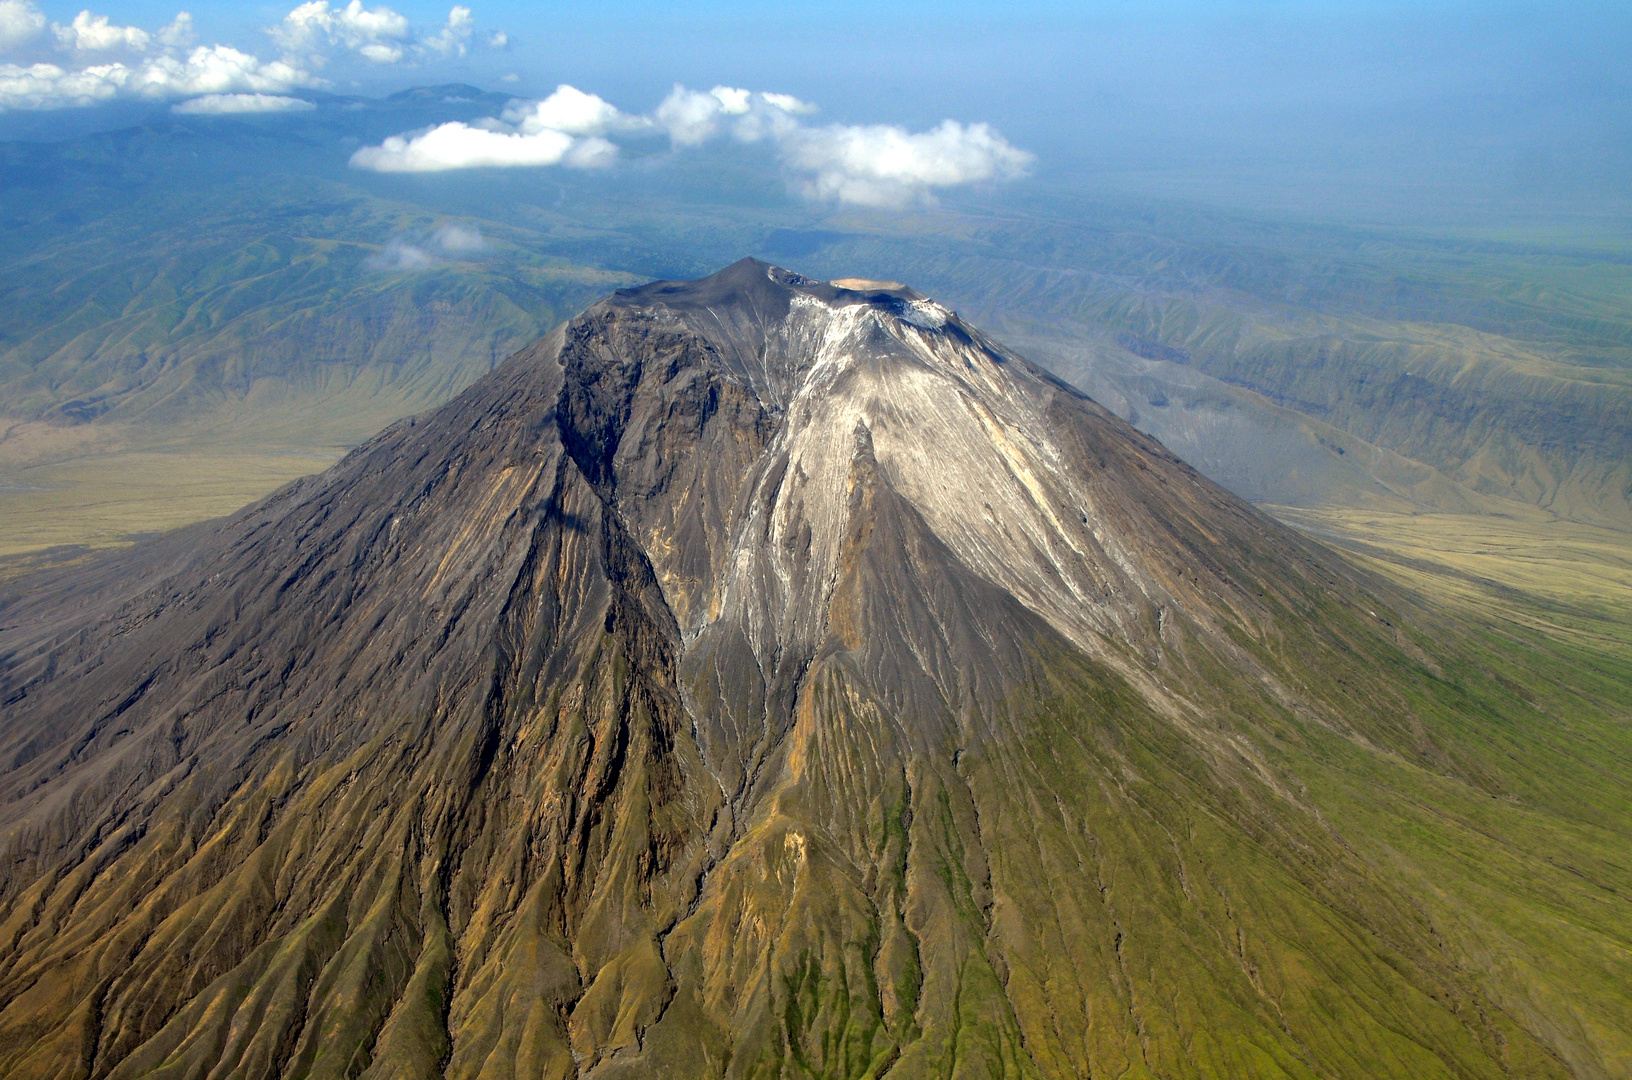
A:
{"x":1528,"y":879}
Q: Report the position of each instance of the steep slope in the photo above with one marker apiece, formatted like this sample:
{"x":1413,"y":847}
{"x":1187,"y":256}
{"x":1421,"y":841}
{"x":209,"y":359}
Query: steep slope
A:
{"x":760,"y":677}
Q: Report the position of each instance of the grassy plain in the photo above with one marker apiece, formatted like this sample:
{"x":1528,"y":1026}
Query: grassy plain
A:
{"x":1568,"y":580}
{"x":1527,"y":878}
{"x":107,"y":499}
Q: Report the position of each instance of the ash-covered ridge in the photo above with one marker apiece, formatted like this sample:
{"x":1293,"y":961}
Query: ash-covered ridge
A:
{"x":756,"y":676}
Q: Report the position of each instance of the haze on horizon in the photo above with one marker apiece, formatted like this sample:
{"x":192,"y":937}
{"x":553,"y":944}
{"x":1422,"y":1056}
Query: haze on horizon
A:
{"x":1452,"y":115}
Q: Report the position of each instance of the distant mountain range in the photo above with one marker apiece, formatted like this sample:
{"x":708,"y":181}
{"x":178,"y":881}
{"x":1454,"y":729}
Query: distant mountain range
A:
{"x":192,"y":280}
{"x":764,"y":676}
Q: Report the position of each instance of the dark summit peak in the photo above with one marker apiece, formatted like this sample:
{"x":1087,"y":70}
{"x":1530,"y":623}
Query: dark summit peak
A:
{"x":755,"y":283}
{"x":747,"y":282}
{"x":769,"y":325}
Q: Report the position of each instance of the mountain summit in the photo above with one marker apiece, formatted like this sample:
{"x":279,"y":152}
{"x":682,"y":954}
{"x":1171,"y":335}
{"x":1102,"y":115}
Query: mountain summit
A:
{"x":756,"y":676}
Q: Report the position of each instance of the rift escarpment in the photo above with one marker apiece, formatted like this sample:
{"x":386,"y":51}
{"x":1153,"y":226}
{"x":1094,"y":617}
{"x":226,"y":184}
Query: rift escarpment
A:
{"x":754,"y":677}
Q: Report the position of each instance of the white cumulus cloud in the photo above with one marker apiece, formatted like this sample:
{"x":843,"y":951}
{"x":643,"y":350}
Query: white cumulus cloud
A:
{"x":214,"y":69}
{"x":787,"y":103}
{"x":168,"y":66}
{"x":179,"y":34}
{"x":886,"y":166}
{"x":227,"y":104}
{"x":565,"y":128}
{"x":94,"y":33}
{"x":868,"y":165}
{"x":568,"y":110}
{"x":20,"y":21}
{"x":461,"y":146}
{"x":218,"y":69}
{"x":377,"y":34}
{"x":692,"y":117}
{"x":47,"y":86}
{"x":455,"y":36}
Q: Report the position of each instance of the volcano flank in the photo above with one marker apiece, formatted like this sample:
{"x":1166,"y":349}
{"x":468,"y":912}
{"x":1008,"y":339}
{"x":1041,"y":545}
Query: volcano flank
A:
{"x":756,"y":676}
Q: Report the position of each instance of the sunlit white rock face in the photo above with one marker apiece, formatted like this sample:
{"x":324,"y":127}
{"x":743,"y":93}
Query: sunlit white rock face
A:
{"x":822,"y":394}
{"x":957,"y":427}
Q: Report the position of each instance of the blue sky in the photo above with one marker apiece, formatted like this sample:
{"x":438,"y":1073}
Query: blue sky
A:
{"x":1516,"y":102}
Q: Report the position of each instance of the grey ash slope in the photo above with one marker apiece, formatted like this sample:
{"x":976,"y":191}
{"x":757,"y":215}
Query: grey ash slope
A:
{"x":754,"y":677}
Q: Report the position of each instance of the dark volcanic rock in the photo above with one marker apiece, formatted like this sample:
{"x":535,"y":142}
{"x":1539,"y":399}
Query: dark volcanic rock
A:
{"x":753,"y":677}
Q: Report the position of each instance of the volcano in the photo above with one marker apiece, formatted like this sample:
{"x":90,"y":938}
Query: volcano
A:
{"x":754,"y":677}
